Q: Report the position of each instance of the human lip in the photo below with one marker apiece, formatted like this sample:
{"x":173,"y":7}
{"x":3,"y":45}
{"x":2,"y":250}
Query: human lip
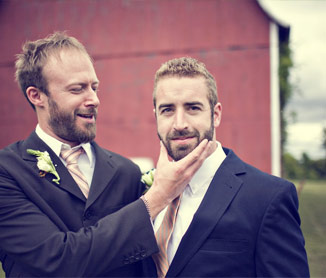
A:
{"x":182,"y":139}
{"x":89,"y":117}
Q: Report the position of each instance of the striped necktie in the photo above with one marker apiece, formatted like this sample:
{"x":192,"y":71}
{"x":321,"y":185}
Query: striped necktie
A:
{"x":71,"y":156}
{"x":163,"y":236}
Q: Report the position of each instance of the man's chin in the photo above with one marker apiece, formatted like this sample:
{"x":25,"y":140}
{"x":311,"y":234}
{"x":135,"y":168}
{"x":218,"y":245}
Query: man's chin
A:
{"x":181,"y":152}
{"x":85,"y":136}
{"x":88,"y":130}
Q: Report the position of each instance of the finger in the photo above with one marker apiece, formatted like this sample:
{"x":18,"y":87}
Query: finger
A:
{"x":163,"y":154}
{"x":192,"y":168}
{"x":208,"y":150}
{"x":193,"y":156}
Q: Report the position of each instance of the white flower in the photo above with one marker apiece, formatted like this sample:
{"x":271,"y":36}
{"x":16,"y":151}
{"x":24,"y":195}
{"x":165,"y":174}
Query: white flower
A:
{"x":148,"y":178}
{"x":45,"y":165}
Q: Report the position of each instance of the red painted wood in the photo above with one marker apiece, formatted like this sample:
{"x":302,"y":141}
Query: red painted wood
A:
{"x":129,"y":40}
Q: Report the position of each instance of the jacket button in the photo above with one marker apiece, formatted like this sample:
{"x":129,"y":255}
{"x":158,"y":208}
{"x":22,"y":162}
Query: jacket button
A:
{"x":137,"y":256}
{"x":143,"y":253}
{"x":88,"y":214}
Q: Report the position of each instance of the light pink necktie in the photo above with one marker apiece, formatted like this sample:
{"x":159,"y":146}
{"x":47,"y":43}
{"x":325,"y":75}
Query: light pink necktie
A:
{"x":163,"y":236}
{"x":71,"y":157}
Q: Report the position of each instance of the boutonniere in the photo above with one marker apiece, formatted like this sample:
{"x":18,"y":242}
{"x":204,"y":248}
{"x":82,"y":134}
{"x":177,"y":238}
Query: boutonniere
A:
{"x":148,"y":178}
{"x":44,"y":164}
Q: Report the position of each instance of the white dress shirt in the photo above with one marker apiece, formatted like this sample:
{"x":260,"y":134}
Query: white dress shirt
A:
{"x":191,"y":198}
{"x":86,"y":161}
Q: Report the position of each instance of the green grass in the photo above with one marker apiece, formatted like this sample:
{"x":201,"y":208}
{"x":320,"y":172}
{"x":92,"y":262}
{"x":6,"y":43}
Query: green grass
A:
{"x":312,"y":208}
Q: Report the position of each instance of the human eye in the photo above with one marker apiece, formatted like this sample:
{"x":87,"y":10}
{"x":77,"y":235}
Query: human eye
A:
{"x":166,"y":110}
{"x":194,"y":108}
{"x":76,"y":89}
{"x":95,"y":87}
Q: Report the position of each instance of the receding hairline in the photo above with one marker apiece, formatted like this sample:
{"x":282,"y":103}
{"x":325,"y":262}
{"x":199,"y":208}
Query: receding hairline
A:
{"x":56,"y":54}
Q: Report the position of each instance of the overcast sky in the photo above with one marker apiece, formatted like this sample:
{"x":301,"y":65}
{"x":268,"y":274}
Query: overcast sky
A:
{"x":307,"y":20}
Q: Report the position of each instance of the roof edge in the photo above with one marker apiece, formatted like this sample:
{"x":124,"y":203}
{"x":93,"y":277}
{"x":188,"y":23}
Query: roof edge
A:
{"x":284,"y":28}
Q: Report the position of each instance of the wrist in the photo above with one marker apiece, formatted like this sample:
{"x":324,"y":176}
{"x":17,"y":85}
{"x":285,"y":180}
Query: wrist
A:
{"x":146,"y":203}
{"x":156,"y":201}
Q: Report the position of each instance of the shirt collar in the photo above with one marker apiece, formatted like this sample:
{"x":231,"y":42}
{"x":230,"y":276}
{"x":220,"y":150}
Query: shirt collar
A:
{"x":208,"y":169}
{"x":57,"y":145}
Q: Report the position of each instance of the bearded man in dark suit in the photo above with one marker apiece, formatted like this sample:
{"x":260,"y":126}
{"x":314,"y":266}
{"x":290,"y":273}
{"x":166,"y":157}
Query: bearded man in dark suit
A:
{"x":232,"y":219}
{"x":67,"y":206}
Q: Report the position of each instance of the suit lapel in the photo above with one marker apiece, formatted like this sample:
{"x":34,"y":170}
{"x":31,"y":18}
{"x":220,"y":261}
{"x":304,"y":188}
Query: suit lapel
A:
{"x":219,"y":195}
{"x":105,"y":170}
{"x":101,"y":177}
{"x":66,"y":180}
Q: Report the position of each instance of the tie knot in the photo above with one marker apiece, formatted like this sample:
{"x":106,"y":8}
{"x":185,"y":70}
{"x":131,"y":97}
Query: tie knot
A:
{"x":71,"y":155}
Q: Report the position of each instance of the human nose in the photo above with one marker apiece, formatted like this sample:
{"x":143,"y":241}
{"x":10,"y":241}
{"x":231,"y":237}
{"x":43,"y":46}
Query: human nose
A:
{"x":92,"y":99}
{"x":180,"y":121}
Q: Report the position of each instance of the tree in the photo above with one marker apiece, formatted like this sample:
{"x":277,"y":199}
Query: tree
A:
{"x":292,"y":168}
{"x":324,"y":147}
{"x":318,"y":168}
{"x":324,"y":140}
{"x":286,"y":92}
{"x":303,"y":169}
{"x":306,"y":165}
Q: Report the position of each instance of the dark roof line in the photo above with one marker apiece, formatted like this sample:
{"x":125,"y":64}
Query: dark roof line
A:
{"x":284,"y":28}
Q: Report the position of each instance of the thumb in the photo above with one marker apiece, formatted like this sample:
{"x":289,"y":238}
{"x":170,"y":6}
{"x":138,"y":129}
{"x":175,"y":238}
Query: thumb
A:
{"x":163,"y":154}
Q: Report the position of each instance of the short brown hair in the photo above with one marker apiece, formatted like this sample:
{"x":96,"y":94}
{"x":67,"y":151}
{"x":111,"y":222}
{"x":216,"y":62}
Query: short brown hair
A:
{"x":30,"y":63}
{"x":187,"y":67}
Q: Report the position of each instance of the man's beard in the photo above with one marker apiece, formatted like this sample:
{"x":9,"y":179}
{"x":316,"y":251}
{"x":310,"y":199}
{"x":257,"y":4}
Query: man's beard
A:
{"x":181,"y":151}
{"x":64,"y":124}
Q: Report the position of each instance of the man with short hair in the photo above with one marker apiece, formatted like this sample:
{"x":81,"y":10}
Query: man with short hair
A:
{"x":67,"y":206}
{"x":232,"y":220}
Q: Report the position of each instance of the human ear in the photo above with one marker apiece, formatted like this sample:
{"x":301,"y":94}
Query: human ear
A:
{"x":35,"y":96}
{"x":217,"y":114}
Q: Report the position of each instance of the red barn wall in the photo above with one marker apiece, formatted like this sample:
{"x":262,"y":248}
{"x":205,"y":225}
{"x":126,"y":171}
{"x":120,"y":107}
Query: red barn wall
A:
{"x":128,"y":41}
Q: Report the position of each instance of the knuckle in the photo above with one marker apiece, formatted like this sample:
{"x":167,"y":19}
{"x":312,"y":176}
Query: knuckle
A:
{"x":196,"y":156}
{"x":178,"y":172}
{"x":187,"y":176}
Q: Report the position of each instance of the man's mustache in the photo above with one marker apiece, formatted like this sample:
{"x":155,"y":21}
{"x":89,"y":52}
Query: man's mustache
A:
{"x":177,"y":134}
{"x":88,"y":111}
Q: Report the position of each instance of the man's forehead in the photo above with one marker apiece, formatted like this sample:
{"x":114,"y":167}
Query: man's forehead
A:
{"x":175,"y":86}
{"x":75,"y":62}
{"x":67,"y":59}
{"x":61,"y":54}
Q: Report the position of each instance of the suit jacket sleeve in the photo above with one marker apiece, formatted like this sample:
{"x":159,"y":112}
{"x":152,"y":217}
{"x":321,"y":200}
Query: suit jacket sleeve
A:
{"x":280,"y":244}
{"x":42,"y":248}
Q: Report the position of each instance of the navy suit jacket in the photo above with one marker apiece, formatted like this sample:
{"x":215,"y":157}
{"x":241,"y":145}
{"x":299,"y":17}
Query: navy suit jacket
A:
{"x":246,"y":226}
{"x":52,"y":230}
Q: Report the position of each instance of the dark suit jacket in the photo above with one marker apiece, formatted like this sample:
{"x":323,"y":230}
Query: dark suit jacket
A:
{"x":52,"y":230}
{"x":246,"y":226}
